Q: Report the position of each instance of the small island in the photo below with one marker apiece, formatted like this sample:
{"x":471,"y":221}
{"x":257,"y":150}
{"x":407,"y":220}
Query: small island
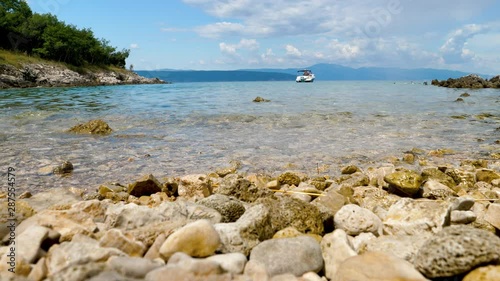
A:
{"x":471,"y":81}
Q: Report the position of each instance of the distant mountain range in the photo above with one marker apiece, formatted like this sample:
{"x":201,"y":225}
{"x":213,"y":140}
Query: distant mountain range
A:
{"x":322,"y":72}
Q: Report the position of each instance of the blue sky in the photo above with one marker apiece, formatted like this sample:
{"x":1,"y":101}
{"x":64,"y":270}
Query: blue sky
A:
{"x":235,"y":34}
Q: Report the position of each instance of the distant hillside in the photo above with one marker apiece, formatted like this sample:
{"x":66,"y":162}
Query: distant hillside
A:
{"x":339,"y":72}
{"x":216,"y":75}
{"x":322,"y":72}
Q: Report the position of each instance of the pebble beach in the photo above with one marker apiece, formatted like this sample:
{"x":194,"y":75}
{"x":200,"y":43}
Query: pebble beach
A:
{"x":440,"y":222}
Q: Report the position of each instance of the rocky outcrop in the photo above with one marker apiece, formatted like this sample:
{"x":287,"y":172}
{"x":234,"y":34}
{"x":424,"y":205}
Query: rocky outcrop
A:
{"x":470,"y":81}
{"x":54,"y":75}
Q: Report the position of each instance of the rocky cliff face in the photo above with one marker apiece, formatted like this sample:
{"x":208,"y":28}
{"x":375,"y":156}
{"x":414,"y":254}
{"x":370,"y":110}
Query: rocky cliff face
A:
{"x":47,"y":75}
{"x":470,"y":81}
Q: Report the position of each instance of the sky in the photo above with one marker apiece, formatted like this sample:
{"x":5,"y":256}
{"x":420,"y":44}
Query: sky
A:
{"x":248,"y":34}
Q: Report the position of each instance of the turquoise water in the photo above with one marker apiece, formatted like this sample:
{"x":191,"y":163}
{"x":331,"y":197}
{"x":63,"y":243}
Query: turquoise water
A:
{"x":185,"y":128}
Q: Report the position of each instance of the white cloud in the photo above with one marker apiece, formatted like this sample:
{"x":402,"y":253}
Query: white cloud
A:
{"x":345,"y":50}
{"x":454,"y":49}
{"x":173,"y":29}
{"x":134,"y":46}
{"x":401,"y":33}
{"x":292,"y":51}
{"x":245,"y":44}
{"x":268,"y":18}
{"x":217,"y":29}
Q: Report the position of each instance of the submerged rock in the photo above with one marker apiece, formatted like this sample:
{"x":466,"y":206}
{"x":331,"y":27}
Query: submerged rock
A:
{"x":65,"y":168}
{"x":260,"y":99}
{"x":95,"y":127}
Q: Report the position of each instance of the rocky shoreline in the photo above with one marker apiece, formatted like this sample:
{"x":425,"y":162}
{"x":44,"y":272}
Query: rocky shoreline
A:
{"x":471,"y":81}
{"x":438,"y":222}
{"x":53,"y":75}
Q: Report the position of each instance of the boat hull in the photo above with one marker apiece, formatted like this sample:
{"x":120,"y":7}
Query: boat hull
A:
{"x":304,"y":79}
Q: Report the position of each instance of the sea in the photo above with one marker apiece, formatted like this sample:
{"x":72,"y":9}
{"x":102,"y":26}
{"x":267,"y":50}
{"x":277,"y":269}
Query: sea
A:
{"x":172,"y":130}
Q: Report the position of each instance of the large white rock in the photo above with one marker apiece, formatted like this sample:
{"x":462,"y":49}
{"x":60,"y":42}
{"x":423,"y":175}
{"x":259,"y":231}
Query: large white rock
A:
{"x":133,"y":267}
{"x":410,"y":217}
{"x":80,"y":250}
{"x":232,"y":262}
{"x":335,"y":248}
{"x":29,"y":242}
{"x":355,"y":220}
{"x":197,"y":239}
{"x":492,"y":215}
{"x":376,"y":266}
{"x":402,"y":246}
{"x":296,"y":255}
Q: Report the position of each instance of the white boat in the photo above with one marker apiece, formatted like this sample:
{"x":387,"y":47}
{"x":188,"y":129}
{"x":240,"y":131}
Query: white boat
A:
{"x":305,"y":75}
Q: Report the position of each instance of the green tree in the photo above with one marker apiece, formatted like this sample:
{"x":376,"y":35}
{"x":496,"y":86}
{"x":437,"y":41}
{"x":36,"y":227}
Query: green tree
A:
{"x":33,"y":29}
{"x":47,"y":37}
{"x":12,"y":14}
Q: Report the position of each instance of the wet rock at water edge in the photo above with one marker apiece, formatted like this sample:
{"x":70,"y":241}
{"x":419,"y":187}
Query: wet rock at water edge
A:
{"x":65,"y":168}
{"x":289,"y":178}
{"x":260,"y":99}
{"x":406,"y":182}
{"x":147,"y":185}
{"x":350,"y":169}
{"x":94,"y":127}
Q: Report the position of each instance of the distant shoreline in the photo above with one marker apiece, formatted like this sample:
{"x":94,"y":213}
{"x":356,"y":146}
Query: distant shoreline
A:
{"x":31,"y":75}
{"x":470,"y":81}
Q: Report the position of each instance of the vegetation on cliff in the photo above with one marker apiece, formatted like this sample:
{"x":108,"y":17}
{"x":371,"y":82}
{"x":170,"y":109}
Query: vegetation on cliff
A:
{"x":44,"y":36}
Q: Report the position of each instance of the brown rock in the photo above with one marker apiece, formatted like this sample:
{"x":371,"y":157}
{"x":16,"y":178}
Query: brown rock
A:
{"x":146,"y":185}
{"x":95,"y":127}
{"x":350,"y":169}
{"x":289,"y":178}
{"x":492,"y":215}
{"x":487,"y":175}
{"x":408,"y":182}
{"x":457,"y":250}
{"x":65,"y":168}
{"x":114,"y":238}
{"x":485,"y":273}
{"x":376,"y":266}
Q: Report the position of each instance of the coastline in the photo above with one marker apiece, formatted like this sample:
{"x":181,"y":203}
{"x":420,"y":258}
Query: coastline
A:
{"x":45,"y":74}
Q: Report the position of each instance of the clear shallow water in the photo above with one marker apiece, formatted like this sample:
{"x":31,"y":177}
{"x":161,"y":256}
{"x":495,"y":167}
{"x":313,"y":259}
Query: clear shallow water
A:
{"x":178,"y":129}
